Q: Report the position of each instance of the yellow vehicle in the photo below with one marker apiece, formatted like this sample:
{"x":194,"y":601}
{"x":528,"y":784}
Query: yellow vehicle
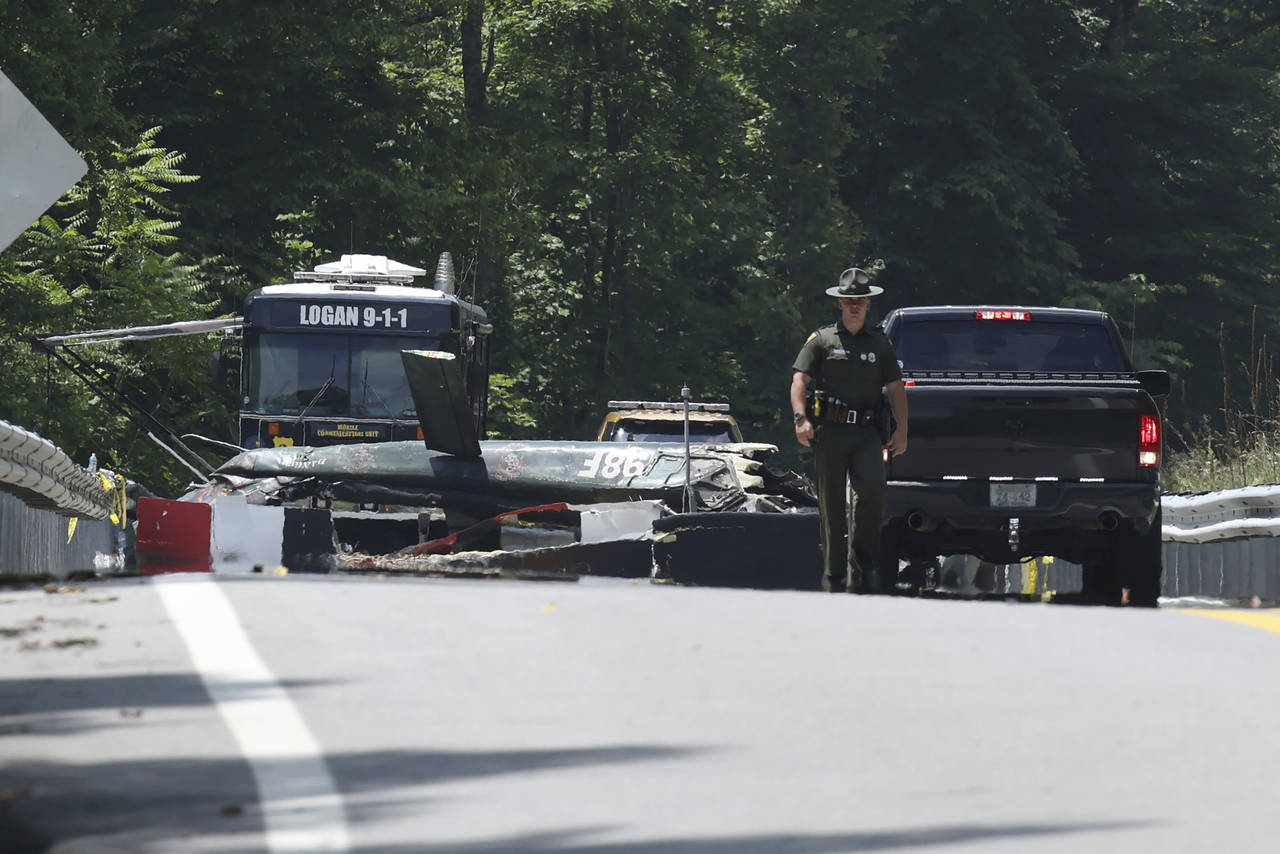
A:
{"x":662,"y":421}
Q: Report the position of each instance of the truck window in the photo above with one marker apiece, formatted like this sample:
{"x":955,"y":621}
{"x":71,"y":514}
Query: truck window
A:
{"x":981,"y":345}
{"x":671,"y":431}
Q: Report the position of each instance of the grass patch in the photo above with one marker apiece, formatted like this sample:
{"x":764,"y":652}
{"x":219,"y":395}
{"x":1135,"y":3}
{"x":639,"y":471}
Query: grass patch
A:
{"x":1245,"y":451}
{"x":1216,"y":461}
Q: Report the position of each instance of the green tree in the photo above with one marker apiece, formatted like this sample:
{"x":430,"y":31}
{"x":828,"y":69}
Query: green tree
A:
{"x":102,"y":259}
{"x":960,"y":163}
{"x":1174,"y":116}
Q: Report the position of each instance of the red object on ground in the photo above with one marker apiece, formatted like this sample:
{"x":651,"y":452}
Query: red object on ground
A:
{"x":173,"y":536}
{"x":444,"y":545}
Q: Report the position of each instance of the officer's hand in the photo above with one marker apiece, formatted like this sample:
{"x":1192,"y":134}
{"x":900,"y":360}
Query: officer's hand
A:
{"x":804,"y":432}
{"x":898,"y":442}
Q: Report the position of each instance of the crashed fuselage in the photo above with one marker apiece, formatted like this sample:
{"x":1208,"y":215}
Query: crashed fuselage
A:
{"x":510,"y":474}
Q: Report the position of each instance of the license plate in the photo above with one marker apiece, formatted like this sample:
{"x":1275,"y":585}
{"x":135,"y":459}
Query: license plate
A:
{"x":1013,"y":495}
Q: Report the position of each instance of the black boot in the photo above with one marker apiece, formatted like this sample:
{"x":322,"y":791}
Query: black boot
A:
{"x":871,"y":580}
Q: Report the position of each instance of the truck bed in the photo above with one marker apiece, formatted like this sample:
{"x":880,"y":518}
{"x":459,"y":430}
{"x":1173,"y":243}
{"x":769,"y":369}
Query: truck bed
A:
{"x":1023,"y":428}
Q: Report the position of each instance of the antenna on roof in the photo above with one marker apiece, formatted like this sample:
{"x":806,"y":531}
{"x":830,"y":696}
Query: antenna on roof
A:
{"x":1133,"y":324}
{"x":445,"y":279}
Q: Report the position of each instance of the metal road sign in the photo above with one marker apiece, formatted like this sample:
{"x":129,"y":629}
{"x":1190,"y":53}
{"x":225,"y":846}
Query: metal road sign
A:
{"x":36,"y":164}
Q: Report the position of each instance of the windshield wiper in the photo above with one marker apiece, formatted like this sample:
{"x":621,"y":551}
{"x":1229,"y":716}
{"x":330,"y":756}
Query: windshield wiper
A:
{"x":333,"y":369}
{"x":368,"y":388}
{"x":322,"y":390}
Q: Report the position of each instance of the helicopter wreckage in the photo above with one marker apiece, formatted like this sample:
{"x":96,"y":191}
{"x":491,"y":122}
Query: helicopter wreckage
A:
{"x":588,"y":507}
{"x":715,"y":514}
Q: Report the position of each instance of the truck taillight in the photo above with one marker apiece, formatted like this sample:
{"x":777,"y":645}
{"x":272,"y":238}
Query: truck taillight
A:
{"x":1148,"y":440}
{"x":1002,"y":314}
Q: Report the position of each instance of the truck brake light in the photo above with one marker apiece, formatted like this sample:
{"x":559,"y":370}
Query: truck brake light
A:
{"x":1002,"y":314}
{"x":1148,"y":440}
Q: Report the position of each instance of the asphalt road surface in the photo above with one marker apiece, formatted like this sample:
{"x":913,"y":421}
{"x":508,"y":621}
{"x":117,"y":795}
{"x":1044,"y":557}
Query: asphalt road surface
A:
{"x":391,"y":716}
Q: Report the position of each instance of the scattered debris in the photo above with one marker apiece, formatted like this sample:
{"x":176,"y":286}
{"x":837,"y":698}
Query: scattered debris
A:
{"x":63,"y":643}
{"x":55,"y":588}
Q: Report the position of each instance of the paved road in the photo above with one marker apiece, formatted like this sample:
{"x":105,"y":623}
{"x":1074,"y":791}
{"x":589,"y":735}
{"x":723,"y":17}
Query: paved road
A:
{"x":390,"y":716}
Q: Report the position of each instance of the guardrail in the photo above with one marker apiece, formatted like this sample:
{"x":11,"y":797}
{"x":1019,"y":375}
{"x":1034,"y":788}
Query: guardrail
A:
{"x":38,"y":472}
{"x":1223,"y":544}
{"x":1253,"y":511}
{"x":34,"y":543}
{"x":44,"y":488}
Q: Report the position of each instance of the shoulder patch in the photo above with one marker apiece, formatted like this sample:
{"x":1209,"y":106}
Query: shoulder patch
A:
{"x":812,"y":335}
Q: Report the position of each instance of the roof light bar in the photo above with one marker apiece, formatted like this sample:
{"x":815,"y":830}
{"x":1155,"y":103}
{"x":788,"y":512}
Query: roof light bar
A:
{"x":664,"y":404}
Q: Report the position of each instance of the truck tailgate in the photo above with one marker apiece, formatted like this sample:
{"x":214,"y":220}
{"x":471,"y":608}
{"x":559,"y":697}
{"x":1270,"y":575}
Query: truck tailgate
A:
{"x":1023,"y":431}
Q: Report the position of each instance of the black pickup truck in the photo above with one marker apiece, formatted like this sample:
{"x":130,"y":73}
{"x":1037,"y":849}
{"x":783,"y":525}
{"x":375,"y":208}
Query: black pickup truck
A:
{"x":1030,"y":434}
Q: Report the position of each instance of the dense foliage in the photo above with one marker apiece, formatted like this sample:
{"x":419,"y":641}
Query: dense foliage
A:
{"x":645,"y":193}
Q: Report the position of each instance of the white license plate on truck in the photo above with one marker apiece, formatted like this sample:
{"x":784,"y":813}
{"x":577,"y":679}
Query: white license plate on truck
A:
{"x":1013,"y":495}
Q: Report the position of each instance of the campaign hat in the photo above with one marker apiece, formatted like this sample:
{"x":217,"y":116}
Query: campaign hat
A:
{"x":854,"y":282}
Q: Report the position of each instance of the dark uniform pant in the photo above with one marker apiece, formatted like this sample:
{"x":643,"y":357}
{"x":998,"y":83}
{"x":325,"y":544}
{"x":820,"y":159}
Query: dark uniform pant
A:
{"x":846,"y":454}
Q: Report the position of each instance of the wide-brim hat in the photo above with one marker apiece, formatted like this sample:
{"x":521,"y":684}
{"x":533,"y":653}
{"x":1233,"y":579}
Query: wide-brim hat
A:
{"x":854,"y":282}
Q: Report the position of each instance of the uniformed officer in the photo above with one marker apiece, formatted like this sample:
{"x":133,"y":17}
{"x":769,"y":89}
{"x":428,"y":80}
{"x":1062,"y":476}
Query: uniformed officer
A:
{"x":848,"y":364}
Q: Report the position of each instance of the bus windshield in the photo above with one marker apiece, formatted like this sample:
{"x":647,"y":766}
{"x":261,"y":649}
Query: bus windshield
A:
{"x":336,"y":375}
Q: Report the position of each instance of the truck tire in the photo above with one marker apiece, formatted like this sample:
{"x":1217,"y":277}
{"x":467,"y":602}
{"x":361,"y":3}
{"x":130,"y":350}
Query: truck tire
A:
{"x":1145,"y":565}
{"x":1102,"y":582}
{"x":1135,"y":561}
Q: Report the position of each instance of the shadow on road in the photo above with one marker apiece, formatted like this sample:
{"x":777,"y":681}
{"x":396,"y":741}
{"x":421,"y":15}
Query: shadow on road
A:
{"x":574,"y":842}
{"x":139,"y":804}
{"x":85,"y":693}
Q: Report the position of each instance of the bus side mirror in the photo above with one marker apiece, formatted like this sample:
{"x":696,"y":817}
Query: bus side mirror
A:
{"x":1156,"y":383}
{"x":225,"y":369}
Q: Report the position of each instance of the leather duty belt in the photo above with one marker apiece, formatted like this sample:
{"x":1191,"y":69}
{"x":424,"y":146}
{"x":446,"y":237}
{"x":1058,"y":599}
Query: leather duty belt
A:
{"x":833,"y":410}
{"x":856,"y":417}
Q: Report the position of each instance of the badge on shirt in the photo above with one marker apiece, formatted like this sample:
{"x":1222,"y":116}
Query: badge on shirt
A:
{"x":868,"y":357}
{"x":839,"y":352}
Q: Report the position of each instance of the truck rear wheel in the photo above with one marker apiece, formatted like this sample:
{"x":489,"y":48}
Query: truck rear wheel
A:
{"x":1102,"y":582}
{"x":1135,"y":561}
{"x":1145,"y":565}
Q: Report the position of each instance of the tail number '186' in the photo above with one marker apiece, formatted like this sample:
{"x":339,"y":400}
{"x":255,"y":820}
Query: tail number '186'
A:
{"x":609,"y":463}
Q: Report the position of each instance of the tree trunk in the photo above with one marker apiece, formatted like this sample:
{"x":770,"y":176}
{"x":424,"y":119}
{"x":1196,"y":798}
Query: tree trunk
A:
{"x":611,"y":43}
{"x":797,"y":154}
{"x":474,"y":85}
{"x":1123,"y":13}
{"x":473,"y":82}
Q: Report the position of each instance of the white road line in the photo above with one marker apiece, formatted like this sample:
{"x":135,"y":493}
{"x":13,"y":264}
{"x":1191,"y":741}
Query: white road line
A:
{"x":300,"y":804}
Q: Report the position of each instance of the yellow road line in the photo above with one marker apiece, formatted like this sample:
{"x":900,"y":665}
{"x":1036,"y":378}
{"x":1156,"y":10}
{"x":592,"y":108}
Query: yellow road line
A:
{"x":1268,"y":620}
